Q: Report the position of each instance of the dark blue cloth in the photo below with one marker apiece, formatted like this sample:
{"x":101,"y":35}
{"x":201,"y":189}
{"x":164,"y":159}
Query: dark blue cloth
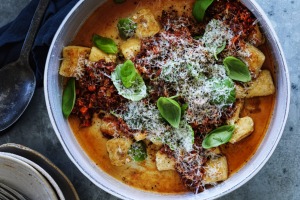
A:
{"x":13,"y":34}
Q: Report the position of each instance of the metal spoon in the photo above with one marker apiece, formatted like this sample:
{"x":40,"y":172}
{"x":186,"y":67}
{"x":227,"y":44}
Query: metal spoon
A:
{"x":17,"y":80}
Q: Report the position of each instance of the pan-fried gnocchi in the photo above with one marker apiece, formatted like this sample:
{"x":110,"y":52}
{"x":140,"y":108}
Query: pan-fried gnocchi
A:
{"x":254,"y":59}
{"x":72,"y":60}
{"x":171,"y":114}
{"x":130,"y":48}
{"x":146,"y":23}
{"x":96,"y":55}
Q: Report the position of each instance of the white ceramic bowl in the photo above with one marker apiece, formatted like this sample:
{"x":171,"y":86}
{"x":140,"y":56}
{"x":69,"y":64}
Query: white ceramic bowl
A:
{"x":24,"y":178}
{"x":53,"y":92}
{"x":42,"y":171}
{"x":55,"y":176}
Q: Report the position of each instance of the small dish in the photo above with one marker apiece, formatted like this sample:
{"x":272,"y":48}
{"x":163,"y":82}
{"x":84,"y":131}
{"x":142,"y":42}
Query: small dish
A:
{"x":59,"y":177}
{"x":41,"y":171}
{"x":3,"y":197}
{"x":13,"y":192}
{"x":24,"y":178}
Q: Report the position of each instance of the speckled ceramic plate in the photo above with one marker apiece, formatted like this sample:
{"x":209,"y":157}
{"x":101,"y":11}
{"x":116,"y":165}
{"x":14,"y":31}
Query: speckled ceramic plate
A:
{"x":41,"y":171}
{"x":25,"y":179}
{"x":68,"y":190}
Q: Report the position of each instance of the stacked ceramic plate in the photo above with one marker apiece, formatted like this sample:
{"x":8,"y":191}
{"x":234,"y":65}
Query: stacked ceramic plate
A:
{"x":26,"y":174}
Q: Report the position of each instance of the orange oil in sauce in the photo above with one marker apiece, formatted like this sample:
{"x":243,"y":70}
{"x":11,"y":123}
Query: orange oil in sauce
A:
{"x":145,"y":176}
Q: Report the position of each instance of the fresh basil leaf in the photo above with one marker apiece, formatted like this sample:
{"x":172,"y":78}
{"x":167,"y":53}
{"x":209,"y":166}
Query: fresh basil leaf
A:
{"x":68,"y":98}
{"x":218,"y":136}
{"x":106,"y":45}
{"x":237,"y":69}
{"x":126,"y":28}
{"x":119,"y":1}
{"x":135,"y":92}
{"x":184,"y":107}
{"x":128,"y":73}
{"x":227,"y":96}
{"x":170,"y":110}
{"x":200,"y":7}
{"x":219,"y":50}
{"x":138,"y":151}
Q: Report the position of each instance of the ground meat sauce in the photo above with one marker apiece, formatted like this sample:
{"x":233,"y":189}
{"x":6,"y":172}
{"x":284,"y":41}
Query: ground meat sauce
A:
{"x":176,"y":27}
{"x":173,"y":25}
{"x":95,"y":92}
{"x":190,"y":167}
{"x":172,"y":22}
{"x":240,"y":20}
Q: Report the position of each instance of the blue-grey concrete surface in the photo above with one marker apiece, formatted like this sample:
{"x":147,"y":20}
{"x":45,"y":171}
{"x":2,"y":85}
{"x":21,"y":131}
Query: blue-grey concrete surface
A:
{"x":279,"y":178}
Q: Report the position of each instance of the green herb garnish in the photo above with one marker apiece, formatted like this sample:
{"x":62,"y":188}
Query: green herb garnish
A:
{"x":218,"y":136}
{"x":107,"y":45}
{"x":129,"y":82}
{"x":128,"y":73}
{"x":138,"y":151}
{"x":237,"y":69}
{"x":126,"y":28}
{"x":219,"y":50}
{"x":184,"y":107}
{"x":185,"y":137}
{"x":223,"y":85}
{"x":170,"y":110}
{"x":68,"y":98}
{"x":200,"y":7}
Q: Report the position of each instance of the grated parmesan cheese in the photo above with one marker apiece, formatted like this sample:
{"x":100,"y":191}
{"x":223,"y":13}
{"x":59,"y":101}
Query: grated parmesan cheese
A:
{"x":79,"y":69}
{"x":145,"y":116}
{"x":190,"y":69}
{"x":216,"y":33}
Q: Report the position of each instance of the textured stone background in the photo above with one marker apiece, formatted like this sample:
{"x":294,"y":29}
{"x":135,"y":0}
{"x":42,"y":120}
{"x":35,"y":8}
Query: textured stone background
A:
{"x":279,"y":178}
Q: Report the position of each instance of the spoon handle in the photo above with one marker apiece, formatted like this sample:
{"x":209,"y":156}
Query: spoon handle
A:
{"x":34,"y":26}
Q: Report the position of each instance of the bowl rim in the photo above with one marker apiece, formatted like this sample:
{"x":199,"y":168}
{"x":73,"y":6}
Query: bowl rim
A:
{"x":282,"y":63}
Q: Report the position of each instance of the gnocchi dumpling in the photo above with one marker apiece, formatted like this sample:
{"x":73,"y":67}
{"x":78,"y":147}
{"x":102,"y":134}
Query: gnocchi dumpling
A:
{"x":96,"y":55}
{"x":117,"y":149}
{"x":254,"y":59}
{"x":163,"y":162}
{"x":216,"y":170}
{"x":262,"y":86}
{"x":146,"y":23}
{"x":130,"y":47}
{"x":73,"y":60}
{"x":243,"y":128}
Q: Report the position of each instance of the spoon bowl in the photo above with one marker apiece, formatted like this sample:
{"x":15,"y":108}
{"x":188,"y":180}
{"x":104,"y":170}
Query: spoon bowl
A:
{"x":17,"y":80}
{"x":17,"y":88}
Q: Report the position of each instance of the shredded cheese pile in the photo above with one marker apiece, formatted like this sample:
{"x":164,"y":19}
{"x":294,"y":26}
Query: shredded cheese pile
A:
{"x":188,"y":67}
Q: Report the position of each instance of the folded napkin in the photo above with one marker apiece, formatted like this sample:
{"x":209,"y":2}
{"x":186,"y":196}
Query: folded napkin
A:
{"x":13,"y":34}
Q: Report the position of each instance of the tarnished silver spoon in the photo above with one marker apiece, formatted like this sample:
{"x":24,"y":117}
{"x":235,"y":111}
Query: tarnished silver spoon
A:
{"x":17,"y":80}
